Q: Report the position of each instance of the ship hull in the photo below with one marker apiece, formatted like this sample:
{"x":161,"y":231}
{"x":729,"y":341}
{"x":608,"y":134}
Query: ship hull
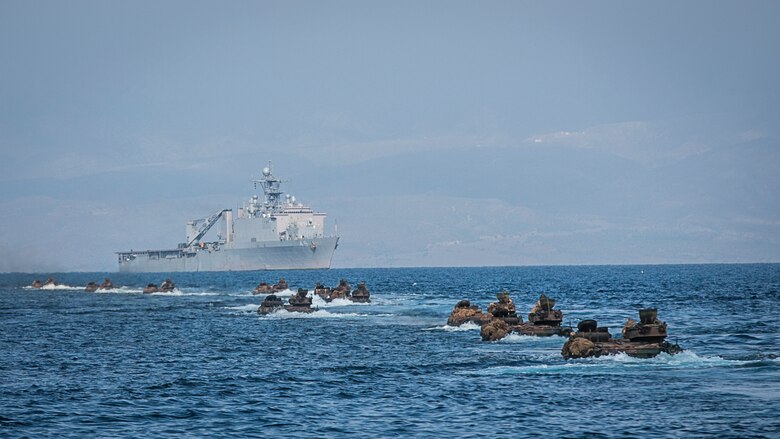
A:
{"x":282,"y":255}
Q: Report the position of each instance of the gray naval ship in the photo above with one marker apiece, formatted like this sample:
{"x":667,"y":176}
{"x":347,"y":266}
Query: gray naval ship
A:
{"x":276,"y":233}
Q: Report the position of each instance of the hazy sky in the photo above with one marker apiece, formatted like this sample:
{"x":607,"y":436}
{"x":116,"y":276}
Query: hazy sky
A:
{"x":435,"y":133}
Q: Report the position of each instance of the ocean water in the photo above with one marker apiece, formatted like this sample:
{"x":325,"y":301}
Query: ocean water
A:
{"x":201,"y":362}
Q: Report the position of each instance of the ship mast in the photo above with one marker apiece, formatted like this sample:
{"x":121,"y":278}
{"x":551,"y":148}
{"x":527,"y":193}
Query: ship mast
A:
{"x":271,"y":191}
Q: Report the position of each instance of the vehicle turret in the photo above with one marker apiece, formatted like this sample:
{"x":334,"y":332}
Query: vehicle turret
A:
{"x":341,"y":291}
{"x":465,"y":312}
{"x":300,"y":302}
{"x":323,"y":291}
{"x":543,"y":313}
{"x":270,"y":304}
{"x":263,"y":288}
{"x":167,"y":286}
{"x":648,"y":329}
{"x":360,"y":294}
{"x":589,"y":329}
{"x":504,"y":309}
{"x":281,"y":285}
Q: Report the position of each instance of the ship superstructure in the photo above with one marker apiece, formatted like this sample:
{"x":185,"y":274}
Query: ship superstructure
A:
{"x":273,"y":233}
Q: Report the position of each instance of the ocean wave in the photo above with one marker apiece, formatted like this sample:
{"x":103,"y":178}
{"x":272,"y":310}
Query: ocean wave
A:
{"x":178,"y":292}
{"x":120,"y":290}
{"x":318,"y":314}
{"x":468,"y":326}
{"x":618,"y":363}
{"x":175,"y":292}
{"x":244,"y":308}
{"x":284,"y":293}
{"x":520,"y":338}
{"x":321,"y":303}
{"x":123,"y":290}
{"x":283,"y":313}
{"x":53,"y":287}
{"x":684,"y":360}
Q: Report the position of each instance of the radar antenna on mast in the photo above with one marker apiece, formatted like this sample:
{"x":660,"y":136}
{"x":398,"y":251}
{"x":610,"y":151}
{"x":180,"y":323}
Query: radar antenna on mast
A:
{"x":271,"y":191}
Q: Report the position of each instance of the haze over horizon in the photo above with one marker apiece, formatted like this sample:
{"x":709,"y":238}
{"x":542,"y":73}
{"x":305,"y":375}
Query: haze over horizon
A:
{"x":439,"y":133}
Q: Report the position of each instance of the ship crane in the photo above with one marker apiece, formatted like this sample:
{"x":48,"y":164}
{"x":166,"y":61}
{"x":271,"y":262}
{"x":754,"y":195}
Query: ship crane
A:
{"x":210,"y":221}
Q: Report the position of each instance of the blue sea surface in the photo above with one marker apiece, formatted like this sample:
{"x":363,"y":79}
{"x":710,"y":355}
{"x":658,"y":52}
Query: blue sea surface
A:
{"x":201,"y":362}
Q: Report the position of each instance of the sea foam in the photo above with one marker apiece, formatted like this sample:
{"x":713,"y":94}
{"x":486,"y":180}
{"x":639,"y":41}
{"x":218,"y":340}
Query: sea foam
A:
{"x":618,"y":364}
{"x":53,"y":287}
{"x":468,"y":326}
